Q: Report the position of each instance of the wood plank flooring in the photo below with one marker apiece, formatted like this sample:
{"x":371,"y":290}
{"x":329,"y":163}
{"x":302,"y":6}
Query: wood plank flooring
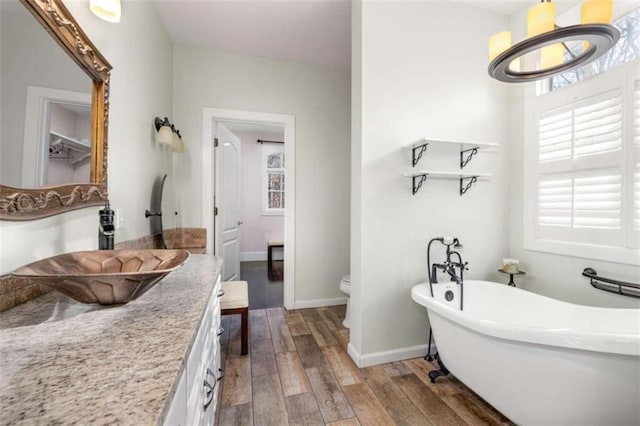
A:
{"x":299,"y":373}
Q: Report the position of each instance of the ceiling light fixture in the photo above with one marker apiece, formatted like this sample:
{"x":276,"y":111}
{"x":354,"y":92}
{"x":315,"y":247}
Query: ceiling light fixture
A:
{"x":109,"y":10}
{"x":513,"y":64}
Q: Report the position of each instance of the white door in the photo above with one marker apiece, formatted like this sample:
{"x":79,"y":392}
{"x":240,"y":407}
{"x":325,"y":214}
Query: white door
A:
{"x":227,"y":200}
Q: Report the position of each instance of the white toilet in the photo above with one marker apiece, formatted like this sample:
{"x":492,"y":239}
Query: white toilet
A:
{"x":345,"y":287}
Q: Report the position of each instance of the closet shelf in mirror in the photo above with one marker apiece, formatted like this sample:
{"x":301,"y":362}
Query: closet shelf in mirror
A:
{"x":79,"y":145}
{"x":65,"y":147}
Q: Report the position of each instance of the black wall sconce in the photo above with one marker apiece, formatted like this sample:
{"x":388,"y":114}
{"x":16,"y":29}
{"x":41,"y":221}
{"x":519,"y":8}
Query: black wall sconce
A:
{"x":168,"y":135}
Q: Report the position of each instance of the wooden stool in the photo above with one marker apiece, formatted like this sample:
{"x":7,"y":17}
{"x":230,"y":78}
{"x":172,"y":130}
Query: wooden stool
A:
{"x":270,"y":246}
{"x":235,"y":301}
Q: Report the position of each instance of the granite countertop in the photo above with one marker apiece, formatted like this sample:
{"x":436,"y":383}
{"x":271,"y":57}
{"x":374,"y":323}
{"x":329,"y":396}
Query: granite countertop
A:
{"x":62,"y":362}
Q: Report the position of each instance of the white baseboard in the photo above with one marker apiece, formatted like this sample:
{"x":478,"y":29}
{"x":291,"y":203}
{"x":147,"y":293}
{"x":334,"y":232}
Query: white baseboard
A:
{"x":317,"y":303}
{"x":384,"y":357}
{"x":257,"y":256}
{"x":253,"y":256}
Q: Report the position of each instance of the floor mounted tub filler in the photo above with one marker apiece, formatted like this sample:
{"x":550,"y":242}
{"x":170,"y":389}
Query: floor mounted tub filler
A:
{"x":538,"y":360}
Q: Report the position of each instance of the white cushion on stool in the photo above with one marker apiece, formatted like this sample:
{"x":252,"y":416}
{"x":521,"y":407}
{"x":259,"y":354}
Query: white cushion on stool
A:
{"x":236,"y":295}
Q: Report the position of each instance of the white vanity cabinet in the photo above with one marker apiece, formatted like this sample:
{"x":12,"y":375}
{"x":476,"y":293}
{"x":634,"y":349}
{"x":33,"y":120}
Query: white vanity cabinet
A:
{"x":196,"y":395}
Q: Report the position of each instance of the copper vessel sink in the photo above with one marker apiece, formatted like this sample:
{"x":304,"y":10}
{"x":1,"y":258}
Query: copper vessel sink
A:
{"x":107,"y":277}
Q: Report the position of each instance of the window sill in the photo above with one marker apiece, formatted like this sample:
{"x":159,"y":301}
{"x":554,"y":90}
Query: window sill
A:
{"x":274,"y":213}
{"x":620,"y":255}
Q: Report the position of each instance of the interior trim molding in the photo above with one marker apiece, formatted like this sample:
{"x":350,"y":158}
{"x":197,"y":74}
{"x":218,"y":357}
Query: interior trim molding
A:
{"x":383,"y":357}
{"x":318,"y":303}
{"x":210,"y":118}
{"x":253,"y":256}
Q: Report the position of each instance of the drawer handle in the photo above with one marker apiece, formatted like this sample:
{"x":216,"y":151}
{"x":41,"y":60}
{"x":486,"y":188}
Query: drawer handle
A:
{"x":208,"y":390}
{"x":221,"y":332}
{"x":221,"y":293}
{"x":221,"y":376}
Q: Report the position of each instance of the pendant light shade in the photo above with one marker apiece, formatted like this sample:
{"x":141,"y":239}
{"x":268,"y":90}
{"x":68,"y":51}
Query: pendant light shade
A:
{"x":498,"y":43}
{"x":541,"y":18}
{"x":109,"y":10}
{"x":551,"y":56}
{"x":596,"y":11}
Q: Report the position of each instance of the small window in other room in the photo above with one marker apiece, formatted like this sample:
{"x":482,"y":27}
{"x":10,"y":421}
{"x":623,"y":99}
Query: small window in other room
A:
{"x":273,"y":179}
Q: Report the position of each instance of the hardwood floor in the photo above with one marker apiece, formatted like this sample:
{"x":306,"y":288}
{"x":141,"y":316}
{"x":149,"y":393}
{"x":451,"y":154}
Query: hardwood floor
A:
{"x":298,"y":373}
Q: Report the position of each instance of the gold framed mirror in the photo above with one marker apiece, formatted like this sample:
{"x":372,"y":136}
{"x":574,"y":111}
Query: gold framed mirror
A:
{"x":17,"y":204}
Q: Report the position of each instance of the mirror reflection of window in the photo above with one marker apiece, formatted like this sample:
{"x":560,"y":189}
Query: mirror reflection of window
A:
{"x":69,"y":143}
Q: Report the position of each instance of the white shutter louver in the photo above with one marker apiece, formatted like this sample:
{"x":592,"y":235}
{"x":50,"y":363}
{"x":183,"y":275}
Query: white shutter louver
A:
{"x":588,"y":201}
{"x":636,"y":114}
{"x":593,"y":127}
{"x":636,"y":196}
{"x":636,"y":180}
{"x":598,"y":201}
{"x":555,"y":135}
{"x":598,"y":127}
{"x":555,"y":201}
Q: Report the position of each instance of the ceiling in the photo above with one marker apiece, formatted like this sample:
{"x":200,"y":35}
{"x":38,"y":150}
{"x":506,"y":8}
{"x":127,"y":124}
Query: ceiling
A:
{"x":307,"y":31}
{"x":315,"y":32}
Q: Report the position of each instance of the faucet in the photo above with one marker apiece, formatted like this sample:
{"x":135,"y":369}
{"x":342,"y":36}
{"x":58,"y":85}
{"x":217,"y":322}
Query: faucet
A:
{"x":448,"y":266}
{"x":107,"y":229}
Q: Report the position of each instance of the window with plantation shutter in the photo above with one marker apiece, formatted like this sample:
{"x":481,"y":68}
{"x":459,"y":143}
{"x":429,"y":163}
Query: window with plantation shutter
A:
{"x":636,"y":196}
{"x":636,"y":175}
{"x":590,"y":127}
{"x":582,"y":182}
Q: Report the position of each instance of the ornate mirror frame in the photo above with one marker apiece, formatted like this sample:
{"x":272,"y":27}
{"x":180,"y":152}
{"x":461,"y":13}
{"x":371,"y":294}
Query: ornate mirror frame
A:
{"x":28,"y":204}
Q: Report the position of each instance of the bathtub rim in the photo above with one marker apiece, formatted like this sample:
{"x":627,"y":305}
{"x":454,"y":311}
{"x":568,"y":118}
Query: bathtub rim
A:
{"x":593,"y":341}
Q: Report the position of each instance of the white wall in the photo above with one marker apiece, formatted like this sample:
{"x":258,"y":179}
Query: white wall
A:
{"x":553,"y":275}
{"x":140,"y":52}
{"x":319,"y":99}
{"x":422,"y":72}
{"x":256,"y":229}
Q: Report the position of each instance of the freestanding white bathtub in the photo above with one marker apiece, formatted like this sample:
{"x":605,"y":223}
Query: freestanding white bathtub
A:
{"x":538,"y":360}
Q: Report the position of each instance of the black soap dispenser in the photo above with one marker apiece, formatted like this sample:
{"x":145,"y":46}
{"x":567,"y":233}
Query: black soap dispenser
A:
{"x":107,"y":231}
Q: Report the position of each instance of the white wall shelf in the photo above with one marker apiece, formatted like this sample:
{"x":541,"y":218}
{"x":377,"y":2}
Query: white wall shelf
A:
{"x":467,"y":149}
{"x":418,"y":177}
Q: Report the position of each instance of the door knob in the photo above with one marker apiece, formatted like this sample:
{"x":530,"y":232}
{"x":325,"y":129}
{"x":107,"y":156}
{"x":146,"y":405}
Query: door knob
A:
{"x":240,"y":222}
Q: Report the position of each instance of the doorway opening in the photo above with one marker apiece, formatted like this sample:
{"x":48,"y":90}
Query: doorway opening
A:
{"x":248,"y":200}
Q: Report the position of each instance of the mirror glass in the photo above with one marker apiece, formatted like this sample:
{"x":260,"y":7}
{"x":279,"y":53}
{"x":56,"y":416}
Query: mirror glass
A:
{"x":45,"y":107}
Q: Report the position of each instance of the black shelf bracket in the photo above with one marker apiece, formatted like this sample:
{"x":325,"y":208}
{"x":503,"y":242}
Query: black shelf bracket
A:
{"x":465,"y":187}
{"x":471,"y":153}
{"x":417,"y":182}
{"x":416,"y":153}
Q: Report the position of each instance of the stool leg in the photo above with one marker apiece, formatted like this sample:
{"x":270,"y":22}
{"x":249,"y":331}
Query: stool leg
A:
{"x":269,"y":259}
{"x":245,"y":331}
